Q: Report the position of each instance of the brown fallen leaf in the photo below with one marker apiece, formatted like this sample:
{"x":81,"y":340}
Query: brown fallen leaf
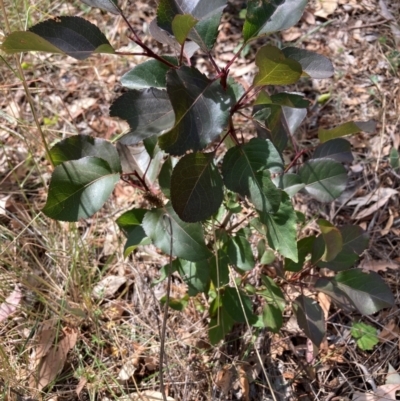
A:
{"x":390,"y":332}
{"x":43,"y":341}
{"x":378,"y":265}
{"x":10,"y":305}
{"x":108,"y":286}
{"x":223,"y":379}
{"x":326,"y":8}
{"x":147,"y":395}
{"x":383,"y":393}
{"x":50,"y":366}
{"x":80,"y":386}
{"x":244,"y":383}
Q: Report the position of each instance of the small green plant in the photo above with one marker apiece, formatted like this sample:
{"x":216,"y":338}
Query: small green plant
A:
{"x":365,"y":335}
{"x":202,"y":168}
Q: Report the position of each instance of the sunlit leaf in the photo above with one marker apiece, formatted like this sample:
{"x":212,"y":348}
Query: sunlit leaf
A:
{"x":272,"y":317}
{"x":332,"y":239}
{"x":305,"y":247}
{"x":349,"y":128}
{"x":182,"y":25}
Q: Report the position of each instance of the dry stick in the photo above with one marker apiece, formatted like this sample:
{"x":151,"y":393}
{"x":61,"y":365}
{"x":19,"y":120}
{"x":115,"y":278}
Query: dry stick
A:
{"x":27,"y":91}
{"x":165,"y":317}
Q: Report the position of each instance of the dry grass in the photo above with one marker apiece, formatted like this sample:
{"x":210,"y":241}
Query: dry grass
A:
{"x":57,"y":265}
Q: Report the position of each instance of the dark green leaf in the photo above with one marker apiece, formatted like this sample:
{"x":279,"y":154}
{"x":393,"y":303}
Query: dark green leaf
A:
{"x":208,"y":13}
{"x":188,"y":238}
{"x":291,"y":183}
{"x":275,"y":68}
{"x":310,"y":318}
{"x":272,"y":317}
{"x":272,"y":293}
{"x":338,"y":149}
{"x":150,"y":144}
{"x":239,"y":251}
{"x":325,"y":179}
{"x":238,"y":305}
{"x":130,"y":223}
{"x":219,"y":326}
{"x":355,"y":241}
{"x":79,"y":146}
{"x":246,"y":170}
{"x":219,"y":269}
{"x":151,"y":73}
{"x":182,"y":25}
{"x":349,"y":128}
{"x":148,"y":112}
{"x":394,"y":159}
{"x":368,"y":292}
{"x":70,"y":35}
{"x":178,"y":304}
{"x":201,"y":111}
{"x":164,"y":179}
{"x":313,"y":64}
{"x":79,"y":188}
{"x":195,"y":275}
{"x":304,"y":246}
{"x":268,"y":16}
{"x":196,"y":187}
{"x":105,"y":5}
{"x":294,"y":100}
{"x":281,"y":227}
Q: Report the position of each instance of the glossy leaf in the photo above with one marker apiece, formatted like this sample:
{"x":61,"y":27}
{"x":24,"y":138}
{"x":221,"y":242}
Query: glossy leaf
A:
{"x":305,"y":247}
{"x":368,"y":292}
{"x":267,"y":16}
{"x":79,"y":188}
{"x":151,"y":73}
{"x":291,"y":183}
{"x":239,"y":251}
{"x":246,"y":170}
{"x":281,"y":229}
{"x":238,"y":305}
{"x":338,"y":149}
{"x":310,"y":318}
{"x":74,"y":36}
{"x":105,"y":5}
{"x":349,"y":128}
{"x":274,"y":68}
{"x":201,"y":110}
{"x":332,"y":239}
{"x":187,"y":238}
{"x":208,"y":13}
{"x":79,"y":146}
{"x":182,"y":25}
{"x":148,"y":112}
{"x":130,"y":223}
{"x":314,"y":65}
{"x":195,"y":275}
{"x":355,"y":241}
{"x":325,"y":179}
{"x":196,"y":187}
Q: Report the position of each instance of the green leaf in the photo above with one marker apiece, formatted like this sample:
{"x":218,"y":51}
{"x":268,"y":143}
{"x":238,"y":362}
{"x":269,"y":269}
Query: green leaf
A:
{"x":151,"y":73}
{"x":187,"y":238}
{"x":267,"y":16}
{"x":294,"y":100}
{"x":394,"y":159}
{"x":219,"y":326}
{"x":239,"y":251}
{"x":272,"y":317}
{"x":178,"y":304}
{"x":291,"y":183}
{"x":195,"y":275}
{"x":130,"y":223}
{"x":70,"y":35}
{"x":275,"y":68}
{"x":332,"y":239}
{"x":304,"y":246}
{"x":310,"y":318}
{"x":246,"y":170}
{"x":272,"y":293}
{"x":182,"y":25}
{"x":338,"y":149}
{"x":78,"y":146}
{"x":79,"y":188}
{"x":148,"y":112}
{"x":365,"y":335}
{"x":368,"y":292}
{"x":196,"y":187}
{"x":281,"y":227}
{"x":325,"y":179}
{"x":349,"y":128}
{"x":164,"y":178}
{"x":201,"y":111}
{"x":314,"y":65}
{"x":355,"y":241}
{"x":219,"y":269}
{"x":208,"y":13}
{"x":237,"y":305}
{"x":105,"y":5}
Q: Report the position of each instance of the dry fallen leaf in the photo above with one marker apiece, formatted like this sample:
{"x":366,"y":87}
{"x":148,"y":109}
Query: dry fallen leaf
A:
{"x":127,"y":371}
{"x":9,"y":306}
{"x":80,"y":386}
{"x":383,"y":393}
{"x":244,"y":383}
{"x":108,"y":286}
{"x":326,"y":8}
{"x":223,"y":379}
{"x":43,"y":341}
{"x":390,"y":332}
{"x":147,"y":395}
{"x":378,"y":265}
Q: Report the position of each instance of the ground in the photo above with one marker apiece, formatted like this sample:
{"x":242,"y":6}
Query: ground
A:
{"x":71,"y":282}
